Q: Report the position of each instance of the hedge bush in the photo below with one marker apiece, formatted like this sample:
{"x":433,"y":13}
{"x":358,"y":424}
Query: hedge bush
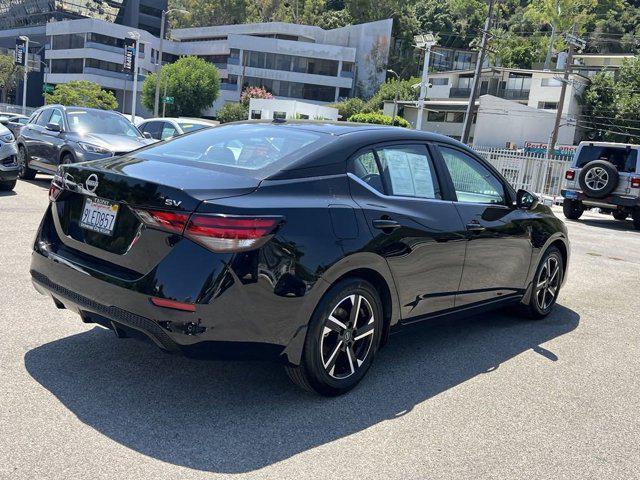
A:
{"x":379,"y":119}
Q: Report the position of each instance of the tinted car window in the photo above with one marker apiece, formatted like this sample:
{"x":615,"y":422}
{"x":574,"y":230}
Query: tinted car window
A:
{"x":153,"y":128}
{"x":366,"y":168}
{"x":43,"y":118}
{"x":472,"y":181}
{"x":168,"y":131}
{"x":624,"y":159}
{"x":98,"y":121}
{"x":56,"y":118}
{"x":250,"y":147}
{"x":408,"y":171}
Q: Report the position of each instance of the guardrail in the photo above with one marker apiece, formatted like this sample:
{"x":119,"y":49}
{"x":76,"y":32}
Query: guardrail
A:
{"x":534,"y":172}
{"x":10,"y":108}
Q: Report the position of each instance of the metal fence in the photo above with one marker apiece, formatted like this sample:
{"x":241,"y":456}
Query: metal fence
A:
{"x":534,"y":172}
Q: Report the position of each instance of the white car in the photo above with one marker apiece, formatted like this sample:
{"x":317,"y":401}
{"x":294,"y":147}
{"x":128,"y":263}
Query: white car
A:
{"x":166,"y":128}
{"x":8,"y":159}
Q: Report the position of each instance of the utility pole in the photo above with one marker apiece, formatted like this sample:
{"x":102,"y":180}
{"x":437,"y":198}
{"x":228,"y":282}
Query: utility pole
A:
{"x":424,"y":41}
{"x":468,"y":117}
{"x":573,"y":42}
{"x":159,"y":64}
{"x":552,"y":39}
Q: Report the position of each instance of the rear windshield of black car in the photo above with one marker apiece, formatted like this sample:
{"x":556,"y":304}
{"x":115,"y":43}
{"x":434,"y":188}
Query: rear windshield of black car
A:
{"x":623,"y":158}
{"x":247,"y":147}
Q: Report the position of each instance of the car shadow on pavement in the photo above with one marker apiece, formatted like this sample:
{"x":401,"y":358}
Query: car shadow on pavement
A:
{"x":7,"y":193}
{"x":44,"y":182}
{"x":233,"y":417}
{"x":608,"y":223}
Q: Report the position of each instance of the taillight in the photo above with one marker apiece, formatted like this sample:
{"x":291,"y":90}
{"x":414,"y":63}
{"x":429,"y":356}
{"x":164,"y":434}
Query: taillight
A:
{"x":222,"y":233}
{"x":570,"y":175}
{"x":170,"y":221}
{"x":56,"y":187}
{"x":635,"y":182}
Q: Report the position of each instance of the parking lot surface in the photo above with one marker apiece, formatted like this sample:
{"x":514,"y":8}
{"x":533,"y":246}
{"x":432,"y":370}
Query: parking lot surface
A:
{"x":491,"y":396}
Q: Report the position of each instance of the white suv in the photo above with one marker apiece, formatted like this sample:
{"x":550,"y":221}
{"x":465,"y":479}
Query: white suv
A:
{"x":604,"y":175}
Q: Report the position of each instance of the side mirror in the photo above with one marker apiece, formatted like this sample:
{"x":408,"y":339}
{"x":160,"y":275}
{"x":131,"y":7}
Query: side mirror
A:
{"x":54,"y":127}
{"x":4,"y":120}
{"x":147,"y":135}
{"x":526,"y":200}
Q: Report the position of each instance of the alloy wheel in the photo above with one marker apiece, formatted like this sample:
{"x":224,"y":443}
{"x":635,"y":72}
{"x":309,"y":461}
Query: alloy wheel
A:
{"x":347,"y":336}
{"x":22,"y":162}
{"x":548,"y":283}
{"x":596,"y":178}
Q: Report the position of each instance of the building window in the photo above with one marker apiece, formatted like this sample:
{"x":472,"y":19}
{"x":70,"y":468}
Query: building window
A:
{"x":436,"y":116}
{"x":454,"y":117}
{"x":550,"y":82}
{"x":279,"y":115}
{"x":439,"y":81}
{"x":287,"y":63}
{"x":64,"y":42}
{"x":462,"y":61}
{"x":548,"y":105}
{"x":256,"y":114}
{"x":105,"y":40}
{"x":103,"y":65}
{"x":68,"y":65}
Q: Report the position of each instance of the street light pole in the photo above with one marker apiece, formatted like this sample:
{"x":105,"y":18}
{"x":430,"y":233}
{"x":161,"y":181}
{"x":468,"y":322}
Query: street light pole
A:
{"x":424,"y":41}
{"x":163,"y":21}
{"x":136,"y":36}
{"x":397,"y":96}
{"x":24,"y":78}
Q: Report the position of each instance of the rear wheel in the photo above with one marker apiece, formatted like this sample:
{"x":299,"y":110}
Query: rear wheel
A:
{"x":620,"y":215}
{"x":66,"y":159}
{"x":572,"y":209}
{"x":8,"y":185}
{"x":342,"y":339}
{"x":546,"y":284}
{"x":25,"y":172}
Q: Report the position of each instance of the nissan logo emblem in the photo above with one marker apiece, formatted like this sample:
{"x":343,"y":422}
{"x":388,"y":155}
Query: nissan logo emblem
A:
{"x":91,"y":183}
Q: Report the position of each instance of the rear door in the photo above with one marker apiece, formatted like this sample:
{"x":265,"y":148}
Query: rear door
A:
{"x":52,"y":140}
{"x":33,"y":135}
{"x":418,"y":232}
{"x":499,"y":249}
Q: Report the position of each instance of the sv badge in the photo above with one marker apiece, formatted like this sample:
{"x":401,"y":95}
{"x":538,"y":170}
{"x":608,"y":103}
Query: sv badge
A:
{"x":169,"y":202}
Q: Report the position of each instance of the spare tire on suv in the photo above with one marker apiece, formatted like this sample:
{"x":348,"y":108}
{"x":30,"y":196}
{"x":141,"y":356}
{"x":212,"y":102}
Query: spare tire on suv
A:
{"x":598,"y":178}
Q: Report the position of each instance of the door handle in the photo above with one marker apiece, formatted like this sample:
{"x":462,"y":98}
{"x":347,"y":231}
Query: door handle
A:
{"x":385,"y":224}
{"x":475,"y":227}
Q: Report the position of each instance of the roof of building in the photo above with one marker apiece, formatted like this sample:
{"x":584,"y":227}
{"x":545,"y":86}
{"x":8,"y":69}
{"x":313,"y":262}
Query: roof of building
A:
{"x":500,"y":69}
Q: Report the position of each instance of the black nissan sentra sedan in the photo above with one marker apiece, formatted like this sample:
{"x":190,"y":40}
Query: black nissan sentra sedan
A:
{"x":306,"y":243}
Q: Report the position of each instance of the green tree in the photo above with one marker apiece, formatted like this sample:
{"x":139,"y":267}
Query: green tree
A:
{"x":9,"y":74}
{"x":203,"y":13}
{"x":82,"y":93}
{"x":611,"y":106}
{"x":232,"y":112}
{"x":349,"y":107}
{"x":388,"y":90}
{"x":193,"y":83}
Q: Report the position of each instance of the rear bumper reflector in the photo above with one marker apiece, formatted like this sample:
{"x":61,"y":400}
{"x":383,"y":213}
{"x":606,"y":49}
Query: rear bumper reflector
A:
{"x":166,"y":303}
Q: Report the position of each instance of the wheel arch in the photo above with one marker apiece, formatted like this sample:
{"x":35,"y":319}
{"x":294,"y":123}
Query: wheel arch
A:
{"x":65,"y":150}
{"x":561,"y":242}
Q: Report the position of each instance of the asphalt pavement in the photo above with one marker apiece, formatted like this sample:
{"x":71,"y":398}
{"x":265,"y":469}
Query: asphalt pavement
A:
{"x":488,"y":397}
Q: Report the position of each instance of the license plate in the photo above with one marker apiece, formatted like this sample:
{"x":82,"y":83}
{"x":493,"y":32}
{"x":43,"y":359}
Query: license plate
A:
{"x":99,"y":215}
{"x":571,"y":195}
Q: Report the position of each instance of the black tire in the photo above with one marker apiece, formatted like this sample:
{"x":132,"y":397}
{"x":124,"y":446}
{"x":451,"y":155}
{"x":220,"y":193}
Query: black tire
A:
{"x":8,"y":185}
{"x":620,"y":215}
{"x":544,"y":295}
{"x":25,"y":172}
{"x":598,"y":178}
{"x":66,"y":159}
{"x":636,"y":218}
{"x":328,"y":368}
{"x":573,"y":209}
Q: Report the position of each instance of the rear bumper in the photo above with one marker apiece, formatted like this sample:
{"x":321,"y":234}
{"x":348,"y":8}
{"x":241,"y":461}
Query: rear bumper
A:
{"x":606,"y":202}
{"x":8,"y":173}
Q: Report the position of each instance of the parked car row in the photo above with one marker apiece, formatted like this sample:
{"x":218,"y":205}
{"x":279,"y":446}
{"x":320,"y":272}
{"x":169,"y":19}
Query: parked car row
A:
{"x":58,"y":135}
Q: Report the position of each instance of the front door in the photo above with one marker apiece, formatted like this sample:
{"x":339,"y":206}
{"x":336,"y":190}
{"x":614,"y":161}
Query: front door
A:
{"x":418,"y":232}
{"x":498,"y":238}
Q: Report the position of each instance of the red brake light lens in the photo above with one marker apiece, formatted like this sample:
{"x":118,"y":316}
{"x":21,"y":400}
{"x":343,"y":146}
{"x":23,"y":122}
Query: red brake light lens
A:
{"x":56,"y":187}
{"x":166,"y":303}
{"x":570,"y":175}
{"x":170,"y":221}
{"x":223,"y":233}
{"x":635,"y":182}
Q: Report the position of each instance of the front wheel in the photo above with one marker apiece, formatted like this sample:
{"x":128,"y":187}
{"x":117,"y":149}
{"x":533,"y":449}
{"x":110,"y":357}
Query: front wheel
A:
{"x":25,"y":172}
{"x":620,"y":215}
{"x":342,"y":339}
{"x":8,"y":185}
{"x":572,"y":209}
{"x":546,"y":284}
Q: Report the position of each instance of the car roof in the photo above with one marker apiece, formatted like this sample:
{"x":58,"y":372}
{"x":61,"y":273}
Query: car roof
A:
{"x":608,"y":144}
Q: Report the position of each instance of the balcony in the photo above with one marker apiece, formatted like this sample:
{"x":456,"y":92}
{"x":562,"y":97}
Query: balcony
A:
{"x":346,"y":74}
{"x":233,"y":61}
{"x":460,"y":93}
{"x":513,"y":94}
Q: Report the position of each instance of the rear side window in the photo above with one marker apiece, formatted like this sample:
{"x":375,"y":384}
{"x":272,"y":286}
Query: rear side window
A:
{"x":192,"y":127}
{"x":408,"y":171}
{"x":624,"y":159}
{"x":248,"y":147}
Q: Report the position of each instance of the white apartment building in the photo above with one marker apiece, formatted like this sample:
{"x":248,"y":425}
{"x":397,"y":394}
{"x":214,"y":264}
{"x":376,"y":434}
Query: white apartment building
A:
{"x":513,"y":105}
{"x":292,"y":61}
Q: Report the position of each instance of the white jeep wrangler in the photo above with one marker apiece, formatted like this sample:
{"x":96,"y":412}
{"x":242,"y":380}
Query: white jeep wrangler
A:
{"x":604,"y":175}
